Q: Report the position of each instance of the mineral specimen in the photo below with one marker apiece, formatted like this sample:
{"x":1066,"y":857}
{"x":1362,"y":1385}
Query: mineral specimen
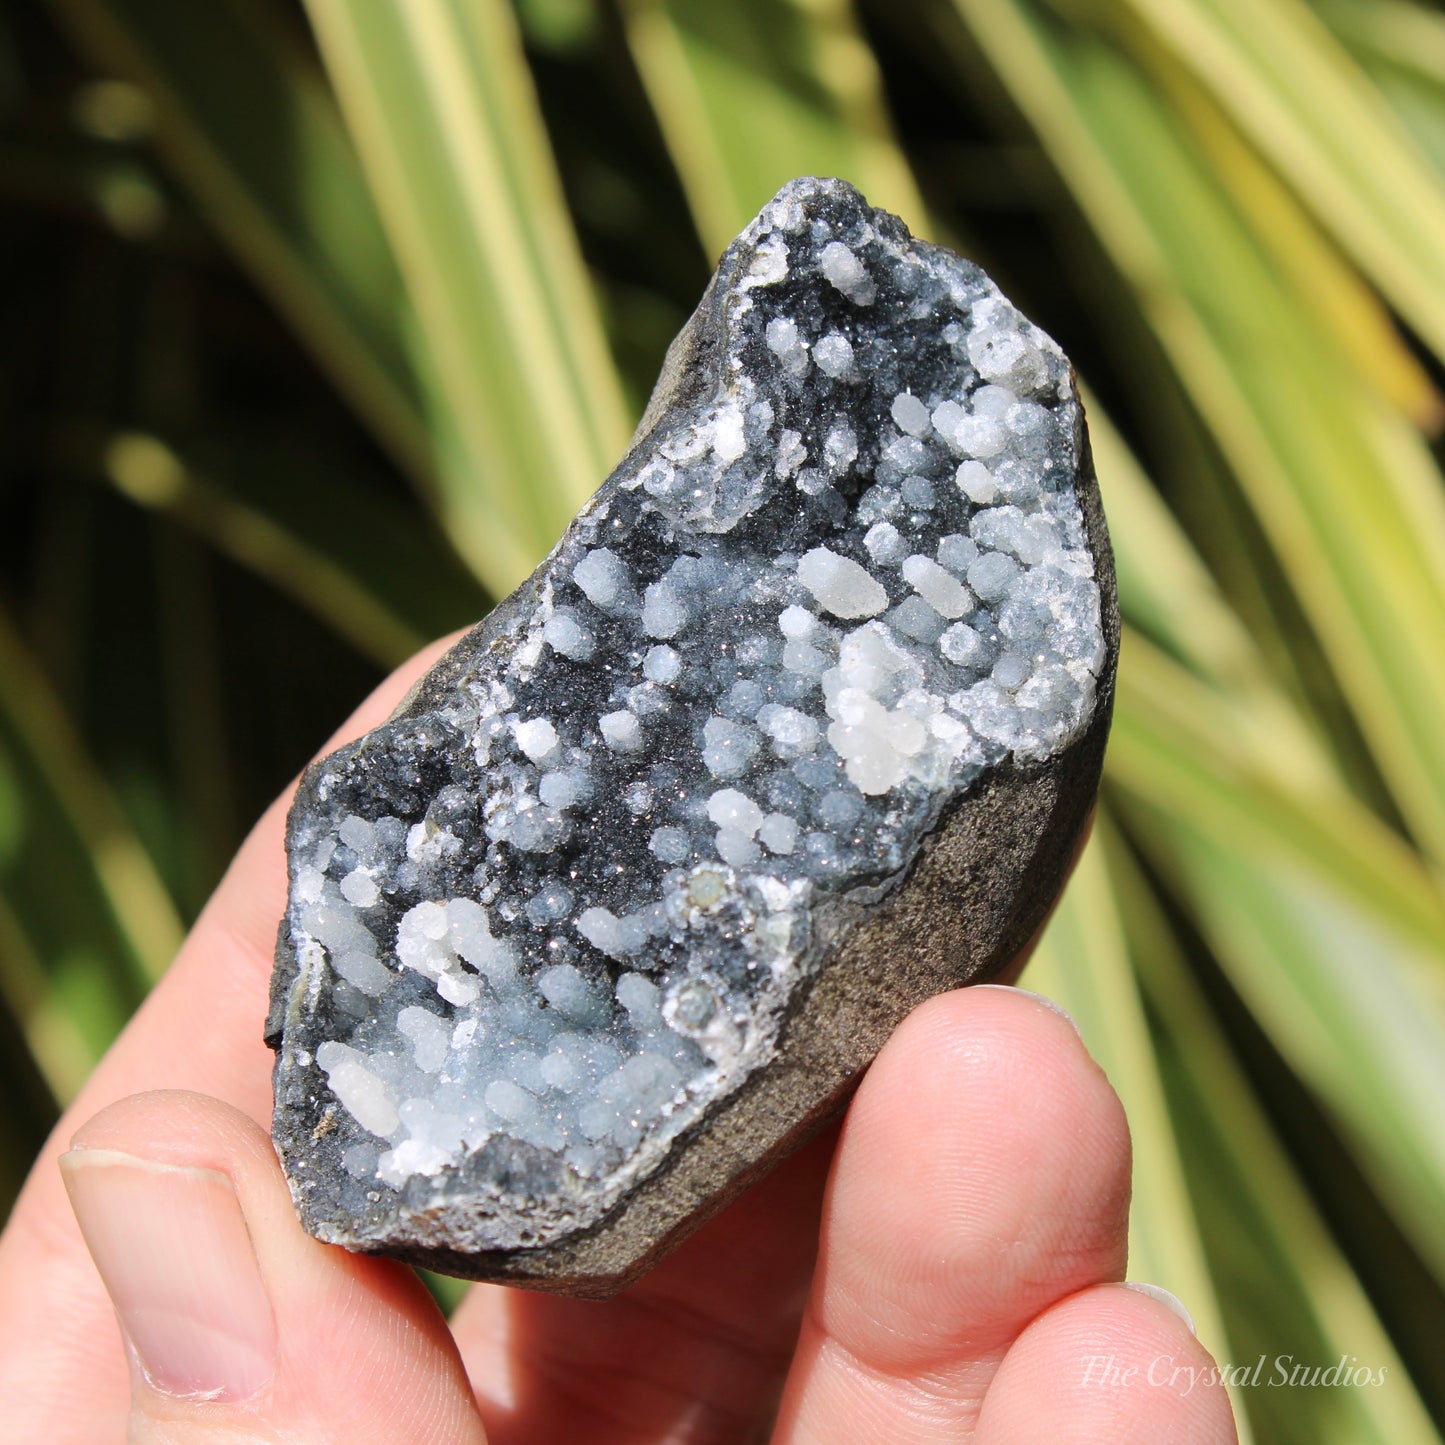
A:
{"x":797,"y":725}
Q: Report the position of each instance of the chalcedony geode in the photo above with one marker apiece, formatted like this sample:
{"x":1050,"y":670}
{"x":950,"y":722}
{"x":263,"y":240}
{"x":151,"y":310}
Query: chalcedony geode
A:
{"x":797,"y":725}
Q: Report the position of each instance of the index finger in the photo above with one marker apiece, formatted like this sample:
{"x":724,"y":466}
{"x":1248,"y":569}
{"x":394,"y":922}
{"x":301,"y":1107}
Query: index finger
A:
{"x":200,"y":1030}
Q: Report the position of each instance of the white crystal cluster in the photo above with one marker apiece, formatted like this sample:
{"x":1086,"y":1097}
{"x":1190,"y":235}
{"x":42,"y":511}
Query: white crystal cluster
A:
{"x":561,"y":1077}
{"x":762,"y":720}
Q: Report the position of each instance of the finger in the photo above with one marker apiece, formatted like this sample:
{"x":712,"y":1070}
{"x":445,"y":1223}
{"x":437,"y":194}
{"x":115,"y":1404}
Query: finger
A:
{"x":1107,"y":1364}
{"x":694,"y":1353}
{"x":982,"y":1175}
{"x":200,"y":1029}
{"x":239,"y":1325}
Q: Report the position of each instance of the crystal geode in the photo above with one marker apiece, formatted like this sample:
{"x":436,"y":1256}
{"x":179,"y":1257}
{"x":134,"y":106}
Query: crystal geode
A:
{"x":798,"y":725}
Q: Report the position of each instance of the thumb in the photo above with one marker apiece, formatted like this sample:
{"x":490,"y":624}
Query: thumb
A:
{"x":239,"y":1326}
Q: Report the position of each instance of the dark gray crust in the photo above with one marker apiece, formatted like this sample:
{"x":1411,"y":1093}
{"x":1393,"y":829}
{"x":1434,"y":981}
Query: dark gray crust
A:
{"x":980,"y":889}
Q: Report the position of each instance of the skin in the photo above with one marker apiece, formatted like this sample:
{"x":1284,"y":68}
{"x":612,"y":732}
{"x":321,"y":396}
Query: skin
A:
{"x":940,"y":1267}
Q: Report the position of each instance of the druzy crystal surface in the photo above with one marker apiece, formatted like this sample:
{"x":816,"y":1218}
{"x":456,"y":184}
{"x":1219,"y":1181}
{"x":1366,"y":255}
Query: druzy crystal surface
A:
{"x":563,"y":912}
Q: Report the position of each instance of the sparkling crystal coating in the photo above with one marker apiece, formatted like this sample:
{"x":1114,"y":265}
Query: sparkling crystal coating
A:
{"x":564,"y":908}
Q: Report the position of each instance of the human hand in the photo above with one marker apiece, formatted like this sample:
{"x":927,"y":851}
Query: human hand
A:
{"x":942,"y":1268}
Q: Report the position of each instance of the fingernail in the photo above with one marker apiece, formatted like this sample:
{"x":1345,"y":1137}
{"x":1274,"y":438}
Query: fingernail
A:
{"x":1169,"y":1301}
{"x":171,"y":1244}
{"x":1048,"y":1003}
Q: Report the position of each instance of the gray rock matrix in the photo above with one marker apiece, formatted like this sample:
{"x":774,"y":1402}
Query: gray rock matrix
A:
{"x":798,"y":724}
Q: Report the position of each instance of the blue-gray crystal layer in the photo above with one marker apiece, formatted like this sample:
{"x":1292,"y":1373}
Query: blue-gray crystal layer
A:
{"x":564,"y":913}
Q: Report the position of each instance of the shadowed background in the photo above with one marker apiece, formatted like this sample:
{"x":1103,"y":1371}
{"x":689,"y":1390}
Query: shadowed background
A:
{"x":319,"y":322}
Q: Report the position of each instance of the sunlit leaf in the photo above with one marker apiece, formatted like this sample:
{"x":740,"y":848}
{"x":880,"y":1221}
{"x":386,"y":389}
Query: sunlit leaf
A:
{"x":440,"y":104}
{"x":231,"y":95}
{"x":752,"y":94}
{"x":1301,"y":100}
{"x":1287,"y":1292}
{"x":135,"y":895}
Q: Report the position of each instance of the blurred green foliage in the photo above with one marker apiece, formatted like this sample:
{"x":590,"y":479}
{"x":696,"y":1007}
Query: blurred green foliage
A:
{"x":322,"y":319}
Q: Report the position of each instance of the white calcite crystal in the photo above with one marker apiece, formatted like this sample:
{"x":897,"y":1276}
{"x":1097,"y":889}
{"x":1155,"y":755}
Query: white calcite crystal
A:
{"x":563,"y":910}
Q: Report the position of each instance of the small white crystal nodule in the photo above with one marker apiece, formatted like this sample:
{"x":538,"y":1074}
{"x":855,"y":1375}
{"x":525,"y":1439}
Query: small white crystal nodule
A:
{"x":840,"y":585}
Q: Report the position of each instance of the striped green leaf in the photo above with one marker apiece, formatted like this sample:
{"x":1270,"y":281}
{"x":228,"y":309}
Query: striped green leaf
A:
{"x":440,"y":105}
